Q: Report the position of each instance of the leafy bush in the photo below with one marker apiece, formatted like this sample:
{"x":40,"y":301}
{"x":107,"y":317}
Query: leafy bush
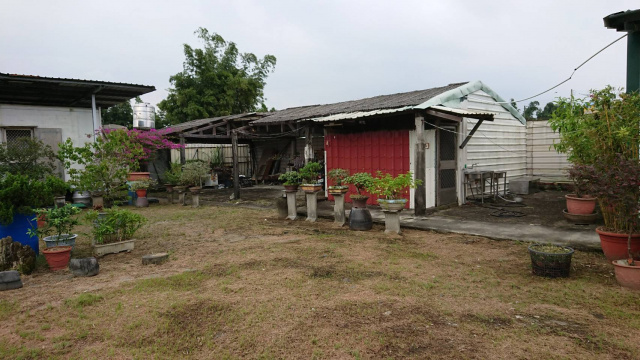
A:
{"x":141,"y":184}
{"x":290,"y":178}
{"x":193,"y":172}
{"x":60,"y":221}
{"x":114,"y":225}
{"x":26,"y":156}
{"x":338,"y":176}
{"x":362,"y":181}
{"x":20,"y":194}
{"x":173,"y":174}
{"x":388,"y":187}
{"x":310,"y":172}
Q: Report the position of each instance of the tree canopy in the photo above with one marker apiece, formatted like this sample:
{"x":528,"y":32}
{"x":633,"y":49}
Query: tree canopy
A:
{"x":121,"y":114}
{"x":216,"y":80}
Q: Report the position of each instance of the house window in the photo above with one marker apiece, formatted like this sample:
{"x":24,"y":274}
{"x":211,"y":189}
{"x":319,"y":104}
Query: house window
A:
{"x":12,"y":136}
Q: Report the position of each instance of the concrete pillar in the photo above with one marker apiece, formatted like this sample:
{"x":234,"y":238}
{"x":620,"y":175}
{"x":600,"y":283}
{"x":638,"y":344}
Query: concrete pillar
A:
{"x":312,"y":206}
{"x":181,"y":198}
{"x":236,"y":170}
{"x":281,"y":206}
{"x":195,"y":200}
{"x":338,"y":210}
{"x":392,"y":222}
{"x":291,"y":204}
{"x":170,"y":197}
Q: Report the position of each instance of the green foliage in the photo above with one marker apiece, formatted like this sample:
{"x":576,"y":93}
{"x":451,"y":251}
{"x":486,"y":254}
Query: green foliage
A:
{"x":310,"y":172}
{"x":193,"y":172}
{"x":60,"y":221}
{"x":114,"y":225}
{"x":173,"y":174}
{"x":141,"y":184}
{"x":82,"y":300}
{"x":290,"y":178}
{"x":547,"y":112}
{"x":216,"y":80}
{"x":362,"y":181}
{"x":531,"y":109}
{"x":338,"y":176}
{"x":26,"y":156}
{"x":388,"y":187}
{"x":121,"y":114}
{"x":21,"y":194}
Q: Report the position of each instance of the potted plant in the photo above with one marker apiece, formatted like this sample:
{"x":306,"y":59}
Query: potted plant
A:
{"x":362,"y":181}
{"x":172,"y":176}
{"x":192,"y":174}
{"x":390,"y":189}
{"x":338,"y":176}
{"x":57,"y":234}
{"x":550,"y":260}
{"x":291,"y":180}
{"x":113,"y":230}
{"x":141,"y":186}
{"x":309,"y":176}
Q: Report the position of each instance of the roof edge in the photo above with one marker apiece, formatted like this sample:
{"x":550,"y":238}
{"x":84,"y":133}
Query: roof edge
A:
{"x":452,"y":98}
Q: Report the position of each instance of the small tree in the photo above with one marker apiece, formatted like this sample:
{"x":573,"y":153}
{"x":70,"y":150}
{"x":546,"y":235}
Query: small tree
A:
{"x":310,"y":172}
{"x":338,"y":176}
{"x":389,"y":187}
{"x":362,"y":181}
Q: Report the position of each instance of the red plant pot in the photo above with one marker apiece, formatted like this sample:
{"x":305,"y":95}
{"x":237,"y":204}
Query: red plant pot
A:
{"x":133,"y":176}
{"x":580,"y":206}
{"x":291,"y":187}
{"x":57,"y":257}
{"x":141,"y":192}
{"x":614,"y":246}
{"x":627,"y":275}
{"x":42,"y":221}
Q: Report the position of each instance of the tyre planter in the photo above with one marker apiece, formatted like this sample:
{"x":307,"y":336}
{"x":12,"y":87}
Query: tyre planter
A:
{"x":359,"y":201}
{"x":57,"y":257}
{"x":113,"y":248}
{"x":392,"y":204}
{"x":65,"y":240}
{"x":338,"y":190}
{"x":580,"y":205}
{"x":614,"y":246}
{"x":360,"y":219}
{"x":549,"y":264}
{"x":627,"y":275}
{"x":291,"y":187}
{"x":311,"y":187}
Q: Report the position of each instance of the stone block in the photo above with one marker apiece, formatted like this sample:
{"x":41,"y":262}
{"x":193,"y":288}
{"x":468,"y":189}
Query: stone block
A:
{"x":84,"y":267}
{"x":155,"y":258}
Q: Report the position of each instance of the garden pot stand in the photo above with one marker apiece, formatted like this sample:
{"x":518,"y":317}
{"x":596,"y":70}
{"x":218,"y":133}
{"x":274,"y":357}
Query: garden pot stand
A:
{"x":312,"y":206}
{"x":195,"y":200}
{"x":338,"y":210}
{"x":97,"y":201}
{"x":181,"y":199}
{"x":142,"y":202}
{"x":392,"y":221}
{"x":291,"y":204}
{"x":113,"y":248}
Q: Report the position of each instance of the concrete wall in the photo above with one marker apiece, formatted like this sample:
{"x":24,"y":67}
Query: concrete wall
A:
{"x":74,"y":123}
{"x":542,"y":159}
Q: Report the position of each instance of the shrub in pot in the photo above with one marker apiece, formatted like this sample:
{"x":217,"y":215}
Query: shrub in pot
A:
{"x":338,"y":177}
{"x":172,"y":176}
{"x":192,"y":174}
{"x":291,"y":180}
{"x":141,"y":186}
{"x":362,"y":182}
{"x":390,"y":189}
{"x":309,"y":175}
{"x":579,"y":203}
{"x":57,"y":234}
{"x":113,"y":230}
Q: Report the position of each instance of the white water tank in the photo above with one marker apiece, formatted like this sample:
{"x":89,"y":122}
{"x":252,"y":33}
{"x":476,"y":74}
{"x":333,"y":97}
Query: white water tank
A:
{"x":144,"y":116}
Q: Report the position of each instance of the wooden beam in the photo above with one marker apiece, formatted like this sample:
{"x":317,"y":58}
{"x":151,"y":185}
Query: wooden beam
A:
{"x":183,"y":155}
{"x":420,"y":194}
{"x":236,"y":171}
{"x":444,"y":116}
{"x":473,"y":131}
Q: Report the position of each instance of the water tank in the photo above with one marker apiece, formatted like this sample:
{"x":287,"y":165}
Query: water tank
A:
{"x":144,"y":116}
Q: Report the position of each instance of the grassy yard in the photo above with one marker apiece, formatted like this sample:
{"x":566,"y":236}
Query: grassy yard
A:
{"x":243,"y":284}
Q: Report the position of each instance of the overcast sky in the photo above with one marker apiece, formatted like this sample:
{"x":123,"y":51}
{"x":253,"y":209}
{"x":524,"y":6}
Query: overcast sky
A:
{"x":327,"y":51}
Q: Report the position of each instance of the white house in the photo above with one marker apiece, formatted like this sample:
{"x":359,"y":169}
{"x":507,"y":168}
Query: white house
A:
{"x":54,"y":109}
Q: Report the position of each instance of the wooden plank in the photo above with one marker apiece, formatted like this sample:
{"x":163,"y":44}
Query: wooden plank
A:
{"x":419,"y":171}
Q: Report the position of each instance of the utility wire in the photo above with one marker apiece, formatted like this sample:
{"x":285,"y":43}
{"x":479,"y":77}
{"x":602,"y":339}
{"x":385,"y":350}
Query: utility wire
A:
{"x":480,"y":131}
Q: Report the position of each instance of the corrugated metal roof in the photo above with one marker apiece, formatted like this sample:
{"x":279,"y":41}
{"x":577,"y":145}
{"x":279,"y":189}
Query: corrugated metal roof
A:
{"x":199,"y":122}
{"x":462,"y":112}
{"x":360,"y":114}
{"x":393,"y":101}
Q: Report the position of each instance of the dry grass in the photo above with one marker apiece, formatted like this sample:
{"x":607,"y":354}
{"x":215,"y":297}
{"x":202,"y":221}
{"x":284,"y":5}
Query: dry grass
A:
{"x":242,"y":284}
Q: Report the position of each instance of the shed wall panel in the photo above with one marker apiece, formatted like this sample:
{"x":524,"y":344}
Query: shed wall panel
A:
{"x":542,"y":159}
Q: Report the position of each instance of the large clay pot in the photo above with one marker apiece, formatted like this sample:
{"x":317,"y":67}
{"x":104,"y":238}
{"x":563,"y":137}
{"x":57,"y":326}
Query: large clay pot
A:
{"x":57,"y":257}
{"x":360,"y":219}
{"x":614,"y":245}
{"x":359,"y":202}
{"x":291,"y":187}
{"x":627,"y":275}
{"x":580,"y":205}
{"x":141,"y":193}
{"x":133,"y":176}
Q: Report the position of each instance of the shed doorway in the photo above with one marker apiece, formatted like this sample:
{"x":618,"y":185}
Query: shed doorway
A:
{"x":446,"y":165}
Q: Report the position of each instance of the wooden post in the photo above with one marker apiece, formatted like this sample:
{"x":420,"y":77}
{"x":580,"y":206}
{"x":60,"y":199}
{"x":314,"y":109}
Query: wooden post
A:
{"x":183,"y":155}
{"x":420,"y":168}
{"x":308,"y":147}
{"x":236,"y":171}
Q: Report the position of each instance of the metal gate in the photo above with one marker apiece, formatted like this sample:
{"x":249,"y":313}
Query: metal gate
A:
{"x":446,"y":166}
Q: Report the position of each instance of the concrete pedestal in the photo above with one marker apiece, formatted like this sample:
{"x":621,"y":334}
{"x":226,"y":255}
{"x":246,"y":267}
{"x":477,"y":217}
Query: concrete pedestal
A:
{"x":281,"y":206}
{"x":181,"y":199}
{"x":170,"y":197}
{"x":291,"y":204}
{"x":338,"y":210}
{"x":142,"y":202}
{"x":312,"y":206}
{"x":195,"y":200}
{"x":392,"y":221}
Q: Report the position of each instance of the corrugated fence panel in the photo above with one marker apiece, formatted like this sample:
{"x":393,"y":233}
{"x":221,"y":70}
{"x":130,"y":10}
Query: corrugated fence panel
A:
{"x":387,"y":151}
{"x":542,"y":159}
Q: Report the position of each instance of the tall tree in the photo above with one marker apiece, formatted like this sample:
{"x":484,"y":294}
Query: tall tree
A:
{"x":121,"y":114}
{"x":216,"y":80}
{"x":545,"y":114}
{"x":531,"y":109}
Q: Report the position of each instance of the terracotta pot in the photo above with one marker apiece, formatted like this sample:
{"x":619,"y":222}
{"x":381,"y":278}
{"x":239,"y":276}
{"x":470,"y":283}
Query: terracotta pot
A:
{"x":359,"y":202}
{"x":141,"y":192}
{"x":311,"y":187}
{"x":627,"y":275}
{"x":580,"y":206}
{"x":338,"y":190}
{"x":614,"y":245}
{"x":133,"y":176}
{"x":169,"y":188}
{"x":57,"y":257}
{"x":291,"y":187}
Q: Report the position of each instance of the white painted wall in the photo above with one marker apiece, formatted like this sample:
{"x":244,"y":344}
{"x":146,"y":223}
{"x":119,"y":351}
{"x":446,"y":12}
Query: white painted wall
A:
{"x":76,"y":123}
{"x":542,"y":159}
{"x":497,"y":145}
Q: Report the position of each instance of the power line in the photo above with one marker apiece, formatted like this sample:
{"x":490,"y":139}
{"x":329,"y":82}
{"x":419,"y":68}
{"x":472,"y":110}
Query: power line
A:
{"x":480,"y":131}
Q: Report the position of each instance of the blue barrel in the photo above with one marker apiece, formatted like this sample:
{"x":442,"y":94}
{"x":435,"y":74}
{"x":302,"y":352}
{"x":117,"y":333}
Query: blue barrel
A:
{"x":18,"y":230}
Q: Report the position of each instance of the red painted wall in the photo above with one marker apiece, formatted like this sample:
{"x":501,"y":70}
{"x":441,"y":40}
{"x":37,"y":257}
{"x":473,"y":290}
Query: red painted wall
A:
{"x":387,"y":151}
